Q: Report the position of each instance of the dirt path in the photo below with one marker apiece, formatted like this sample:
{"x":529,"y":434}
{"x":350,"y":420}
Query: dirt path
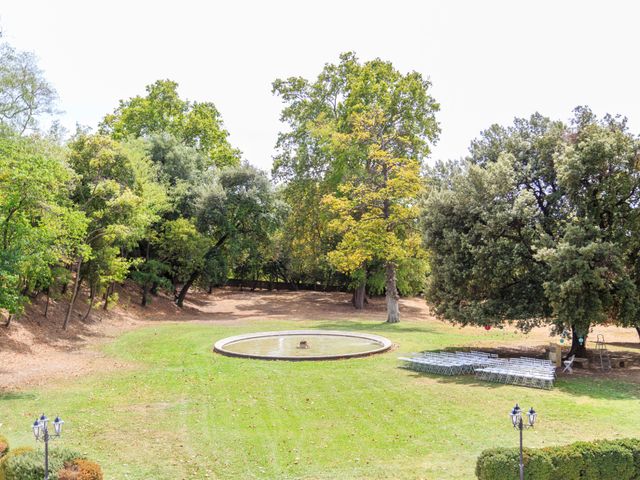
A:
{"x":34,"y":349}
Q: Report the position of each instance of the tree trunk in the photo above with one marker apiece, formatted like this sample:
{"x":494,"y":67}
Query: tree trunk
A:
{"x":8,"y":322}
{"x":578,"y":349}
{"x":393,"y":308}
{"x":74,"y":294}
{"x":145,"y":292}
{"x":638,"y":330}
{"x":46,"y":307}
{"x":108,"y":293}
{"x":185,"y":289}
{"x":359,"y":296}
{"x":86,"y":315}
{"x":65,"y":285}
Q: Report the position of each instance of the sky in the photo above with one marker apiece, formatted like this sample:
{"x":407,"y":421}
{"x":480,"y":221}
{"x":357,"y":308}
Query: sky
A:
{"x":488,"y":61}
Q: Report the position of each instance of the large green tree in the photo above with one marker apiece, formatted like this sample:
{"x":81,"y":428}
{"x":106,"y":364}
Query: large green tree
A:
{"x":539,"y":225}
{"x":162,"y":111}
{"x":236,"y":208}
{"x":358,"y":136}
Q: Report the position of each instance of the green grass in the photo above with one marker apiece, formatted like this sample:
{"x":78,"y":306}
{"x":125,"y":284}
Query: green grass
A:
{"x":182,"y":412}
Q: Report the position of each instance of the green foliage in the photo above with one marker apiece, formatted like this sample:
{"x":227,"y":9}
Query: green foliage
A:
{"x":162,"y":111}
{"x":238,"y":212}
{"x":599,"y":460}
{"x":13,"y":454}
{"x":151,"y":273}
{"x":39,"y":226}
{"x":503,"y":463}
{"x":182,"y":247}
{"x":29,"y":464}
{"x":120,"y":196}
{"x":358,"y":135}
{"x":539,"y":224}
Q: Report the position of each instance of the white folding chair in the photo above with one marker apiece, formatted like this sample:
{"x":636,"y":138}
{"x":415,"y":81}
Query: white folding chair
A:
{"x":568,"y":364}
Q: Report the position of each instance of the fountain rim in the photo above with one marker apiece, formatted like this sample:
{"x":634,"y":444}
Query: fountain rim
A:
{"x":219,"y":346}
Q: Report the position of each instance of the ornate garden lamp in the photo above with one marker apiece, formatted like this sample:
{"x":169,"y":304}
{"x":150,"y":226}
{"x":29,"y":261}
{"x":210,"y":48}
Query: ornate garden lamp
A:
{"x":518,"y":423}
{"x":41,"y":432}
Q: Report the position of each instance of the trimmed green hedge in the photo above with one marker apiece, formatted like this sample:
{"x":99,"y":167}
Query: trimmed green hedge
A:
{"x":600,"y":460}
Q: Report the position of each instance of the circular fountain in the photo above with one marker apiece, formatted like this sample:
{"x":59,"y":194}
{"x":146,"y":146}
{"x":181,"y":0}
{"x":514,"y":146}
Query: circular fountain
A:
{"x":302,"y":345}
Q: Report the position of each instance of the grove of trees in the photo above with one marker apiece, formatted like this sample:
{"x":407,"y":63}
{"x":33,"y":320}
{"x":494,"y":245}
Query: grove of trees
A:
{"x":538,"y":225}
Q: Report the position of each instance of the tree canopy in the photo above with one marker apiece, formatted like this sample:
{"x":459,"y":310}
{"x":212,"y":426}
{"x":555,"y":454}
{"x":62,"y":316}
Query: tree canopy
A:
{"x":162,"y":111}
{"x":358,"y":136}
{"x":539,"y":224}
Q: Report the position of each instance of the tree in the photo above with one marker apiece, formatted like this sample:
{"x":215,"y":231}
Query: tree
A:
{"x":121,"y":199}
{"x":162,"y":111}
{"x":361,"y":133}
{"x":538,"y":225}
{"x":39,"y":227}
{"x":308,"y":171}
{"x":149,"y":274}
{"x":183,"y":248}
{"x":376,"y":211}
{"x":24,"y":92}
{"x":183,"y":170}
{"x":237,"y":208}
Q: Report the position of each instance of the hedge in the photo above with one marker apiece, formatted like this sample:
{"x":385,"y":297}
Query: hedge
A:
{"x":599,"y":460}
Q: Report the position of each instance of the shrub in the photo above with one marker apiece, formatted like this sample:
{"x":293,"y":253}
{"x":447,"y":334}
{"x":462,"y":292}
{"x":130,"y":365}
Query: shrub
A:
{"x":80,"y":469}
{"x":567,"y":461}
{"x":600,"y":460}
{"x":4,"y":446}
{"x":16,"y":452}
{"x":607,"y":461}
{"x":29,"y":464}
{"x":504,"y":463}
{"x":633,"y":445}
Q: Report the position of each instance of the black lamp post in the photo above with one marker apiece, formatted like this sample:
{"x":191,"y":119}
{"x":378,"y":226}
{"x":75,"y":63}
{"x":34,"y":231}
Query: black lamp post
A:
{"x":41,"y":432}
{"x":516,"y":419}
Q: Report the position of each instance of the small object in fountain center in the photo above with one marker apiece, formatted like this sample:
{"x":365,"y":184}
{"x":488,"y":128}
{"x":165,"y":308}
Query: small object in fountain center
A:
{"x":303,"y":344}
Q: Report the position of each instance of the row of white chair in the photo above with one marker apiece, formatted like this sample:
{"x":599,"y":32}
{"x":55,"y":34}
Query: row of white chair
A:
{"x":525,"y":371}
{"x":448,"y":363}
{"x":529,"y":372}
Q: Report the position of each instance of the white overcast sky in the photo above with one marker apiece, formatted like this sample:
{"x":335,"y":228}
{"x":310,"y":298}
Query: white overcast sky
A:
{"x":489,"y":61}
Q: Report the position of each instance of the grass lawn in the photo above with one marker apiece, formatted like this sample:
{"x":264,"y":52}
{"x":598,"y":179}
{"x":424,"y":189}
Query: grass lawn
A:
{"x":183,"y":412}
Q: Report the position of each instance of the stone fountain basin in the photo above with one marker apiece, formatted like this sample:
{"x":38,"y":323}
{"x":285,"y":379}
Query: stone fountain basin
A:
{"x":285,"y":345}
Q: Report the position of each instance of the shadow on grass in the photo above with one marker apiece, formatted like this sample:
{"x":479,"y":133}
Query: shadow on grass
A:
{"x":467,"y":380}
{"x":599,"y":388}
{"x":588,"y":387}
{"x":7,"y":396}
{"x":359,"y":325}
